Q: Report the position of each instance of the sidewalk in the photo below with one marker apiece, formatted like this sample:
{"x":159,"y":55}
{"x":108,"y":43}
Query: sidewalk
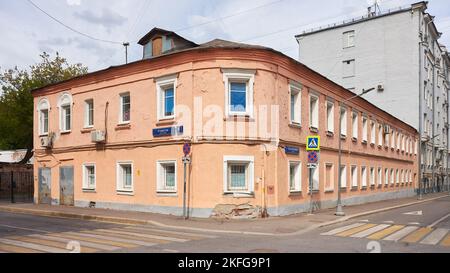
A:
{"x":279,"y":226}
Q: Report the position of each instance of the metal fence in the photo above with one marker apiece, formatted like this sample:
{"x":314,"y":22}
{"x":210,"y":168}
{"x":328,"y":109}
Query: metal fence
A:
{"x":16,"y":186}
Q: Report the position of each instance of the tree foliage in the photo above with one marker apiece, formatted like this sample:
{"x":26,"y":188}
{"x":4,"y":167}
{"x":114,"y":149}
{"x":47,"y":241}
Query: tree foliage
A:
{"x":16,"y":101}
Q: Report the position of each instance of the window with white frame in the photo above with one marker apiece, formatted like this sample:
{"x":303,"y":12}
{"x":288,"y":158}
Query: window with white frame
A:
{"x":365,"y":129}
{"x":379,"y":176}
{"x":355,"y":125}
{"x":125,"y":108}
{"x":65,"y":112}
{"x":380,"y":135}
{"x":329,"y":176}
{"x":295,"y":176}
{"x":330,"y":116}
{"x":363,"y":176}
{"x":89,"y":176}
{"x":354,"y":176}
{"x":397,"y":176}
{"x":166,"y":180}
{"x":386,"y":176}
{"x":296,"y":103}
{"x":315,"y":179}
{"x":402,"y":176}
{"x":89,"y":113}
{"x":348,"y":39}
{"x":166,"y":97}
{"x":343,"y":176}
{"x":124,"y":176}
{"x":386,"y":138}
{"x":313,"y":111}
{"x":43,"y":110}
{"x":372,"y":176}
{"x":403,"y":143}
{"x":238,"y":174}
{"x":398,"y":140}
{"x":372,"y":132}
{"x":343,"y":121}
{"x":393,"y":139}
{"x":392,"y":176}
{"x":239,"y":91}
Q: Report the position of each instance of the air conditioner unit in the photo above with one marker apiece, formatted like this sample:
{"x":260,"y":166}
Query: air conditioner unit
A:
{"x":380,"y":87}
{"x":98,"y":136}
{"x":47,"y":142}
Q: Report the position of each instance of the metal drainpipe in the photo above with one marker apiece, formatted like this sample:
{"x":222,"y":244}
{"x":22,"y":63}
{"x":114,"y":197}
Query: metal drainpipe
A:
{"x":419,"y":152}
{"x":434,"y":133}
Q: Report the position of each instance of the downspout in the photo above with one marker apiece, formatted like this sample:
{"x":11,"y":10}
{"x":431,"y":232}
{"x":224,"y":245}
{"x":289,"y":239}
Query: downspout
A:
{"x":419,"y":176}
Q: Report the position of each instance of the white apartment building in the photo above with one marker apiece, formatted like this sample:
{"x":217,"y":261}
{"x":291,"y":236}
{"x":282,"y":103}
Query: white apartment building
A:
{"x":398,"y":53}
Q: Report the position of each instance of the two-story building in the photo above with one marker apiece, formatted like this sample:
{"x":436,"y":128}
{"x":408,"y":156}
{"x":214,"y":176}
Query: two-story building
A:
{"x":114,"y":138}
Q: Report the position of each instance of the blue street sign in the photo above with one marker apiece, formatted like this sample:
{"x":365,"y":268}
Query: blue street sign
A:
{"x":291,"y":150}
{"x":169,"y":131}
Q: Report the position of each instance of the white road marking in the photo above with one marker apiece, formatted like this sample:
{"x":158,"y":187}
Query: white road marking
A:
{"x":418,"y":213}
{"x":414,"y":223}
{"x":108,"y":238}
{"x":435,"y":237}
{"x":365,"y":221}
{"x":369,"y":231}
{"x":83,"y":243}
{"x":33,"y":246}
{"x":440,"y":220}
{"x":171,"y":232}
{"x":341,"y":229}
{"x":171,"y":250}
{"x":145,"y":235}
{"x":400,"y":234}
{"x":388,"y":222}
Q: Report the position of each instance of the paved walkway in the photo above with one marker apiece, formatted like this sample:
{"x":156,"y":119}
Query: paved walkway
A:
{"x":286,"y":225}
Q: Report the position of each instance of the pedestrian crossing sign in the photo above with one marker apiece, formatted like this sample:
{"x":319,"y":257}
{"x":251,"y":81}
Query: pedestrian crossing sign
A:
{"x":313,"y":143}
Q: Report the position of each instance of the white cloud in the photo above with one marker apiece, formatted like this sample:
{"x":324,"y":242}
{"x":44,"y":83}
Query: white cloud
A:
{"x":73,"y":2}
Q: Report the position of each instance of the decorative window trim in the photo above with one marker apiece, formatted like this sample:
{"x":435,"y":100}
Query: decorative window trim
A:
{"x":160,"y":185}
{"x":85,"y":178}
{"x":314,"y":114}
{"x":295,"y":87}
{"x":86,"y":114}
{"x":239,"y":75}
{"x":250,"y":168}
{"x":119,"y":187}
{"x":121,"y":96}
{"x":162,"y":82}
{"x":41,"y":108}
{"x":297,"y":178}
{"x":65,"y":100}
{"x":330,"y":103}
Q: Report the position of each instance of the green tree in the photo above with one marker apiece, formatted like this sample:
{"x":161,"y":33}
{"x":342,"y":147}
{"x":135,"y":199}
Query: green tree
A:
{"x":16,"y":101}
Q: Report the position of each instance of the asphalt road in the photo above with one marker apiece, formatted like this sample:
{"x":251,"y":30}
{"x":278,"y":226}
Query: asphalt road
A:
{"x":418,"y":228}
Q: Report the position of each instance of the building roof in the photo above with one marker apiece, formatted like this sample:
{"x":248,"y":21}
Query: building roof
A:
{"x":422,"y":4}
{"x":159,"y":31}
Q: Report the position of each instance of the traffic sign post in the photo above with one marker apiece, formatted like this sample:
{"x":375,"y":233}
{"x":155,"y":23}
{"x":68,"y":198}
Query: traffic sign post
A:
{"x":186,"y":161}
{"x":313,"y":149}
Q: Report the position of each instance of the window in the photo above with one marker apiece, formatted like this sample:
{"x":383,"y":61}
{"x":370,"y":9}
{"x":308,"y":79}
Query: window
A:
{"x":397,"y":176}
{"x":166,"y":176}
{"x":296,"y":104}
{"x":329,"y":177}
{"x":166,"y":97}
{"x":372,"y":132}
{"x":348,"y":68}
{"x":393,"y":140}
{"x":238,"y":174}
{"x":65,"y":112}
{"x":398,"y":140}
{"x":89,"y":113}
{"x":295,"y":176}
{"x":315,"y":179}
{"x":313,"y":111}
{"x":125,"y":108}
{"x":372,"y":176}
{"x":89,"y":176}
{"x":343,"y":176}
{"x":330,"y":116}
{"x":403,"y":143}
{"x":239,"y":91}
{"x":348,"y":39}
{"x":43,"y":109}
{"x":392,"y":176}
{"x":380,"y":135}
{"x":365,"y":131}
{"x":402,"y":176}
{"x":355,"y":125}
{"x":386,"y":137}
{"x":386,"y":176}
{"x":379,"y":178}
{"x":343,"y":122}
{"x":354,"y":174}
{"x":363,"y":177}
{"x":124,"y":177}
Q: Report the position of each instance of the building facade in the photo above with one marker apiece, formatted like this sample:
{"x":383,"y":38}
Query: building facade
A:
{"x":114,"y":138}
{"x":398,"y":53}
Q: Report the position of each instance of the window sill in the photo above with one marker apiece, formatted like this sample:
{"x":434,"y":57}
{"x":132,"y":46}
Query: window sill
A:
{"x":380,"y":146}
{"x":329,"y":190}
{"x":124,"y":126}
{"x":43,"y":135}
{"x":87,"y":130}
{"x":313,"y":191}
{"x":372,"y":187}
{"x":364,"y":142}
{"x":167,"y":193}
{"x":89,"y":191}
{"x":243,"y":117}
{"x":130,"y":193}
{"x":372,"y":144}
{"x":343,"y":137}
{"x":363,"y":188}
{"x":295,"y":125}
{"x":330,"y":134}
{"x":295,"y":193}
{"x":164,"y":122}
{"x":240,"y":194}
{"x":65,"y":132}
{"x":354,"y":188}
{"x":354,"y":139}
{"x":313,"y":129}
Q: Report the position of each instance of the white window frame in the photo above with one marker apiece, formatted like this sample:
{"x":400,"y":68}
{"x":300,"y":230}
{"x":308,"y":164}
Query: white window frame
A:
{"x":121,"y":96}
{"x":87,"y":113}
{"x":315,"y":179}
{"x":314,"y":111}
{"x":239,"y":75}
{"x":393,"y":140}
{"x":392,"y":176}
{"x":355,"y":126}
{"x":380,"y":134}
{"x":386,"y":176}
{"x":119,"y":183}
{"x":297,"y":176}
{"x":250,"y":161}
{"x":372,"y":176}
{"x":397,"y":176}
{"x":365,"y":129}
{"x":86,"y":185}
{"x":363,"y":176}
{"x":297,"y":89}
{"x":161,"y":186}
{"x":343,"y":120}
{"x":354,"y":176}
{"x":331,"y":188}
{"x":162,"y":85}
{"x":65,"y":101}
{"x":346,"y":39}
{"x":379,"y":176}
{"x":43,"y":105}
{"x":330,"y":116}
{"x":372,"y":132}
{"x":343,"y":178}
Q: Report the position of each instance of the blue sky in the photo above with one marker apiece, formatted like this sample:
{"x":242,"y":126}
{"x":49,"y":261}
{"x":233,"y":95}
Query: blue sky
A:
{"x":26,"y":31}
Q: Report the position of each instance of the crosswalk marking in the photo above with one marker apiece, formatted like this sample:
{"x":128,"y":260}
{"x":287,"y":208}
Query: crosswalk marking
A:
{"x":95,"y":240}
{"x":446,"y":241}
{"x":400,"y":234}
{"x":146,"y":235}
{"x":33,"y":246}
{"x":115,"y":235}
{"x":180,"y":233}
{"x":341,"y":229}
{"x":416,"y":235}
{"x":385,"y":232}
{"x":16,"y":249}
{"x":29,"y":239}
{"x":355,"y":230}
{"x":435,"y":237}
{"x":136,"y":243}
{"x":82,"y":242}
{"x":369,"y":231}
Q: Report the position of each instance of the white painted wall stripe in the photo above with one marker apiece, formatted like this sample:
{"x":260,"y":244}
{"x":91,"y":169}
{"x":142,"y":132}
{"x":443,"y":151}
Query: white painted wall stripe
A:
{"x":435,"y":237}
{"x":341,"y":229}
{"x":369,"y":231}
{"x":400,"y":234}
{"x":33,"y":246}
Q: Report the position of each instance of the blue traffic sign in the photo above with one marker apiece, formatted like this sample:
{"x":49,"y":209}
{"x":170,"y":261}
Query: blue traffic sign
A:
{"x":313,"y":143}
